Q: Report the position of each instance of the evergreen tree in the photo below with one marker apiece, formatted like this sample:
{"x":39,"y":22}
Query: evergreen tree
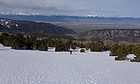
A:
{"x":51,"y":43}
{"x":28,"y":43}
{"x":16,"y":44}
{"x":121,"y":53}
{"x":43,"y":46}
{"x":5,"y":40}
{"x":136,"y":51}
{"x":97,"y":46}
{"x":1,"y":39}
{"x":114,"y":49}
{"x":87,"y":46}
{"x":60,"y":46}
{"x":74,"y":45}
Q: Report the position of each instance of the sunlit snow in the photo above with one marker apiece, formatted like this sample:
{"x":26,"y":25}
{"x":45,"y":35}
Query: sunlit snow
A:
{"x":41,"y":67}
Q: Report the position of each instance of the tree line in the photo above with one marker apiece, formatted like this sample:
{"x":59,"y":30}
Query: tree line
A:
{"x":29,"y":42}
{"x":20,"y":41}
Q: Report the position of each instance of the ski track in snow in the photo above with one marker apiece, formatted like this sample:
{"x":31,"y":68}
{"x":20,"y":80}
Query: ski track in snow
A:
{"x":38,"y":67}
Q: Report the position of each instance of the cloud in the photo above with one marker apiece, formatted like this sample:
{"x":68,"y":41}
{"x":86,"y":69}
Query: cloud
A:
{"x":102,"y":7}
{"x":33,"y":4}
{"x":43,"y":4}
{"x":55,"y":6}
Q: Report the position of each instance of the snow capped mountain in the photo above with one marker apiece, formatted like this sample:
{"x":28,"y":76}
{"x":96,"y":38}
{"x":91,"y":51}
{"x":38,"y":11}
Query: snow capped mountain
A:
{"x":18,"y":13}
{"x":71,"y":15}
{"x":34,"y":16}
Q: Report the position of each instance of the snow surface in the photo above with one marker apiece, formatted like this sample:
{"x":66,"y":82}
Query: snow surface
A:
{"x":40,"y":67}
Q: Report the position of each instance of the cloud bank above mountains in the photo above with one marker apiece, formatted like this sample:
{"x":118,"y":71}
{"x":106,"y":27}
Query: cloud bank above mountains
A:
{"x":128,"y":8}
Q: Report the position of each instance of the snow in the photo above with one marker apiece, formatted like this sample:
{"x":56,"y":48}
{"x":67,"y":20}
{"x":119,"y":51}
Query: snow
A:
{"x":130,"y":57}
{"x":51,"y":49}
{"x":4,"y":48}
{"x":41,"y":67}
{"x":77,"y":49}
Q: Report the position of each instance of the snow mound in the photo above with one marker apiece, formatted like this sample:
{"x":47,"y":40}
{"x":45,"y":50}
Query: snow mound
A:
{"x":4,"y":48}
{"x":130,"y":57}
{"x":1,"y":45}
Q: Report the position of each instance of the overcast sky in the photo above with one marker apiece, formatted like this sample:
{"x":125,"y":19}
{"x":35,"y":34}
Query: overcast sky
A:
{"x":121,"y":8}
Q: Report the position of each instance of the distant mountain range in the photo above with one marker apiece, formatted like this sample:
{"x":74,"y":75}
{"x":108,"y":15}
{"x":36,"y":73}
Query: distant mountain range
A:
{"x":18,"y":26}
{"x":84,"y":27}
{"x":82,"y":23}
{"x":64,"y":18}
{"x":116,"y":35}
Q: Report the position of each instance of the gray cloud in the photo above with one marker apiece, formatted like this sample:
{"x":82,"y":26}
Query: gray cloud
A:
{"x":102,"y":7}
{"x":25,"y":3}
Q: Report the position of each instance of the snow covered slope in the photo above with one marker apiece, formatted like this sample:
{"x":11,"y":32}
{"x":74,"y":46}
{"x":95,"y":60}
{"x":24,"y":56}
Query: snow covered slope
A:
{"x":36,"y":67}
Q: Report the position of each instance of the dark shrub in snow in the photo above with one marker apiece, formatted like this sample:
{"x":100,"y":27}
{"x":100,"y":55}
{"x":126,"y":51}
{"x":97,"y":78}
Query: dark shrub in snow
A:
{"x":82,"y":50}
